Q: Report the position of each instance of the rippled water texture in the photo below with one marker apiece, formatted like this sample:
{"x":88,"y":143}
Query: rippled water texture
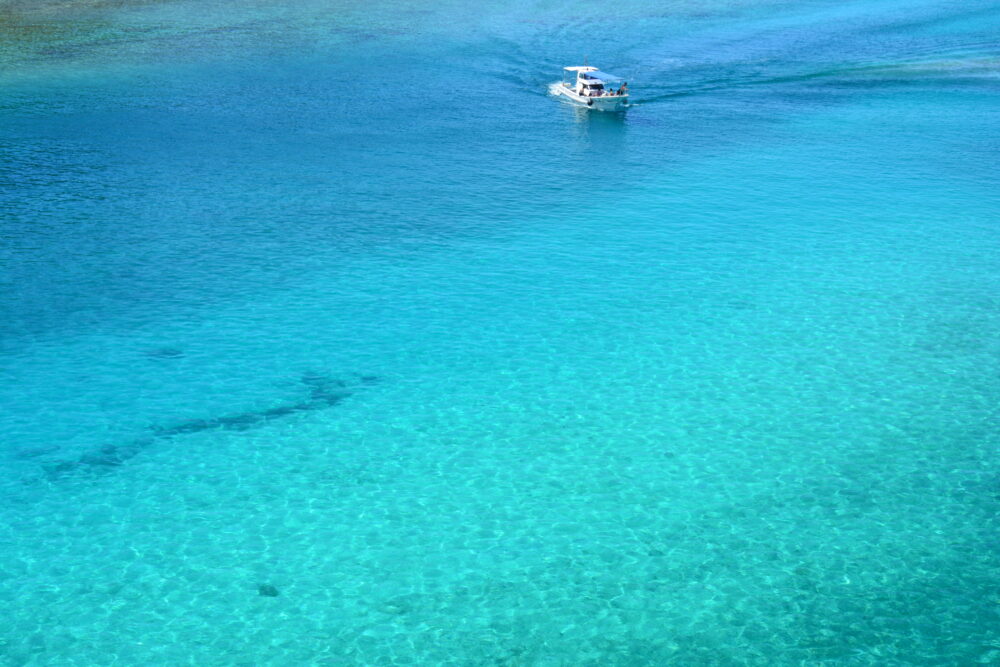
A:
{"x":328,"y":337}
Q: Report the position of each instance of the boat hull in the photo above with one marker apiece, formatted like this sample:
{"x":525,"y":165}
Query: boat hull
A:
{"x":608,"y":103}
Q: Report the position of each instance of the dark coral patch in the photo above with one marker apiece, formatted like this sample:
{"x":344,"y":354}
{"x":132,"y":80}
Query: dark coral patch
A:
{"x":322,"y":391}
{"x":267,"y":590}
{"x":33,"y":452}
{"x":164,"y":353}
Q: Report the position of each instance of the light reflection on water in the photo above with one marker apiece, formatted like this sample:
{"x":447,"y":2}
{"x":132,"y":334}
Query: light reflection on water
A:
{"x":336,"y":303}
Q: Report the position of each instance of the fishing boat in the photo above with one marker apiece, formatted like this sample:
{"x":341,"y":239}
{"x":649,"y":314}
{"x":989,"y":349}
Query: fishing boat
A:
{"x":592,"y":88}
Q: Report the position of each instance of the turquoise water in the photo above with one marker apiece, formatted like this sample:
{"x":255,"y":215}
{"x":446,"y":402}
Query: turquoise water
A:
{"x":331,"y":300}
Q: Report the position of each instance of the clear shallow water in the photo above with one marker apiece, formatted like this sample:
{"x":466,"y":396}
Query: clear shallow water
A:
{"x":288,"y":299}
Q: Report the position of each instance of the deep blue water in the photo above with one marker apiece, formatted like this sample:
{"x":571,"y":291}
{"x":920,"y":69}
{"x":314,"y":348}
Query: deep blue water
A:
{"x":333,"y":300}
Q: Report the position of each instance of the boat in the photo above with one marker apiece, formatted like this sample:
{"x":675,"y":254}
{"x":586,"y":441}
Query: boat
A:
{"x":592,"y":88}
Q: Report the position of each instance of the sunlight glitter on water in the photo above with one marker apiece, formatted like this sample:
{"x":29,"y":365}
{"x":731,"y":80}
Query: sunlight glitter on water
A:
{"x":313,"y":353}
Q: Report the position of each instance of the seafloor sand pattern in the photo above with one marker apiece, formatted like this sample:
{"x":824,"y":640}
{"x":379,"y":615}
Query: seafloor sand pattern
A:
{"x":326,"y":338}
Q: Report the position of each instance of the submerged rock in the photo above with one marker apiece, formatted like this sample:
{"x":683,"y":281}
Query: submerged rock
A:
{"x":267,"y":590}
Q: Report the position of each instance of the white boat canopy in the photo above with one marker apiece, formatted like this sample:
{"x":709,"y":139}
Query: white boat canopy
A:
{"x":587,"y":72}
{"x":601,"y":76}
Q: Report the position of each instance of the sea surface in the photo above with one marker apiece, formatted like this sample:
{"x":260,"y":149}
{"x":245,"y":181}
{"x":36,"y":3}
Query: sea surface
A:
{"x":328,"y":337}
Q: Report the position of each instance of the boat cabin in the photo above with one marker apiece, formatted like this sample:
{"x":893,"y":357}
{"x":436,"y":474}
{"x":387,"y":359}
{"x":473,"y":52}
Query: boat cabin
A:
{"x":592,"y":88}
{"x":589,"y":81}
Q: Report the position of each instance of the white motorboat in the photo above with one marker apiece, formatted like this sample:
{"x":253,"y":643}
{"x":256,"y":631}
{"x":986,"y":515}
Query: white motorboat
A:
{"x":592,"y":88}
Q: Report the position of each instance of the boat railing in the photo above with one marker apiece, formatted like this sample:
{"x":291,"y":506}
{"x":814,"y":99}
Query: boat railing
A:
{"x":608,"y":94}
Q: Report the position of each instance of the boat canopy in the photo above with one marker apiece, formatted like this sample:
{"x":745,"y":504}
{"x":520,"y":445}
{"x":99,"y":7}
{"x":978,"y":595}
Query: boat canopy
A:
{"x":601,"y":76}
